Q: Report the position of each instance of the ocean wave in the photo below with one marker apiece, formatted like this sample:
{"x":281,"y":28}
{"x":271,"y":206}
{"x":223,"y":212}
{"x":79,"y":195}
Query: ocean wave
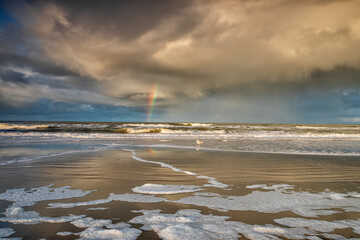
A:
{"x":266,"y":138}
{"x":241,"y":130}
{"x":9,"y":126}
{"x":161,"y":132}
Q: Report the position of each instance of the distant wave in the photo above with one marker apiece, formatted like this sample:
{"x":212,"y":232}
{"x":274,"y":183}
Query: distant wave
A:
{"x":159,"y":133}
{"x":8,"y":126}
{"x":188,"y":130}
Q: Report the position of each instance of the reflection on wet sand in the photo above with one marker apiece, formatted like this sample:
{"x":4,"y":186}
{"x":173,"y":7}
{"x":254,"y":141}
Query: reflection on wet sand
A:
{"x":231,"y":195}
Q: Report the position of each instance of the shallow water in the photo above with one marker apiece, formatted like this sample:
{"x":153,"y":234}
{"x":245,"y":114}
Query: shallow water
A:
{"x":229,"y":195}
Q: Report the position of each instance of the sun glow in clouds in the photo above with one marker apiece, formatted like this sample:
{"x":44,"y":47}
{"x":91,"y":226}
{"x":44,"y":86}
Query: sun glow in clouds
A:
{"x":152,"y":101}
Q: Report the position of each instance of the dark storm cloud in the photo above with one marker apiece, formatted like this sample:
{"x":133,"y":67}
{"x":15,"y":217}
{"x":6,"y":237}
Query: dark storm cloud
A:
{"x":113,"y":52}
{"x":126,"y":19}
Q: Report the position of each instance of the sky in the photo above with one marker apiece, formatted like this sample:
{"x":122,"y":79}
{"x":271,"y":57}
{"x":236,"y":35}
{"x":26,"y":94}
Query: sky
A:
{"x":256,"y":61}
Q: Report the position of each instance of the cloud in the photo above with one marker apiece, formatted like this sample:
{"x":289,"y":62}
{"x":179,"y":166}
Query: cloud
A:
{"x":30,"y":86}
{"x":113,"y":52}
{"x":192,"y":47}
{"x":351,"y":120}
{"x":46,"y":109}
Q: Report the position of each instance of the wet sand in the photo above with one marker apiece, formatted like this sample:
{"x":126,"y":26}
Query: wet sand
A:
{"x":116,"y":171}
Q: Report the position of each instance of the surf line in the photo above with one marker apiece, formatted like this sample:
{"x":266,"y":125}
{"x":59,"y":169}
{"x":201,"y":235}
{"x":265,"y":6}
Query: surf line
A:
{"x":212,"y":182}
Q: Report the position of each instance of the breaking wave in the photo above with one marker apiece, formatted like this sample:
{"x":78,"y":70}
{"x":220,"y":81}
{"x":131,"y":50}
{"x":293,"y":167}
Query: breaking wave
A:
{"x":267,"y":138}
{"x":187,"y":129}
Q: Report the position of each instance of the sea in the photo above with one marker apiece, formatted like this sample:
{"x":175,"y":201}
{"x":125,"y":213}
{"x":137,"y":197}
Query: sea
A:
{"x":124,"y":180}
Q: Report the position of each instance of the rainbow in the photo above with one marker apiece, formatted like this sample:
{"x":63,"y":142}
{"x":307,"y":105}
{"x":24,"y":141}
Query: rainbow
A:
{"x":152,"y":151}
{"x":152,"y":101}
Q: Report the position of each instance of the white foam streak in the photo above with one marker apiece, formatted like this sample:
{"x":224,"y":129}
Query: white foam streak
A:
{"x":276,"y":187}
{"x":212,"y":181}
{"x":149,"y":188}
{"x":97,"y":209}
{"x":34,"y":158}
{"x":127,"y":197}
{"x":64,"y":233}
{"x":286,"y":151}
{"x":29,"y":159}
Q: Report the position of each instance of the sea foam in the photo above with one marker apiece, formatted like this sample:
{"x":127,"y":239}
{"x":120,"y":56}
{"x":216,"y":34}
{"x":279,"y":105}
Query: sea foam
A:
{"x":102,"y":229}
{"x":191,"y":224}
{"x":302,"y":203}
{"x":6,"y":232}
{"x":150,"y":188}
{"x":212,"y":181}
{"x":22,"y":198}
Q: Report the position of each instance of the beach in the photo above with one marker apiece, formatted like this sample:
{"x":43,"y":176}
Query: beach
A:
{"x":180,"y":120}
{"x":173,"y":188}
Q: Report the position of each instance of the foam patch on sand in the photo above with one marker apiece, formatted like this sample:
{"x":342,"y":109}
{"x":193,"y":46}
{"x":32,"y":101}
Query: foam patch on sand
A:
{"x":305,"y":204}
{"x":207,"y":194}
{"x":191,"y":224}
{"x":95,"y":228}
{"x":64,"y":233}
{"x":150,"y":188}
{"x":97,"y":209}
{"x":19,"y":216}
{"x":5,"y":232}
{"x":212,"y":181}
{"x":105,"y":229}
{"x":102,"y":229}
{"x":127,"y":197}
{"x":22,"y":198}
{"x":302,"y":203}
{"x":100,"y":233}
{"x":319,"y":225}
{"x":276,"y":187}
